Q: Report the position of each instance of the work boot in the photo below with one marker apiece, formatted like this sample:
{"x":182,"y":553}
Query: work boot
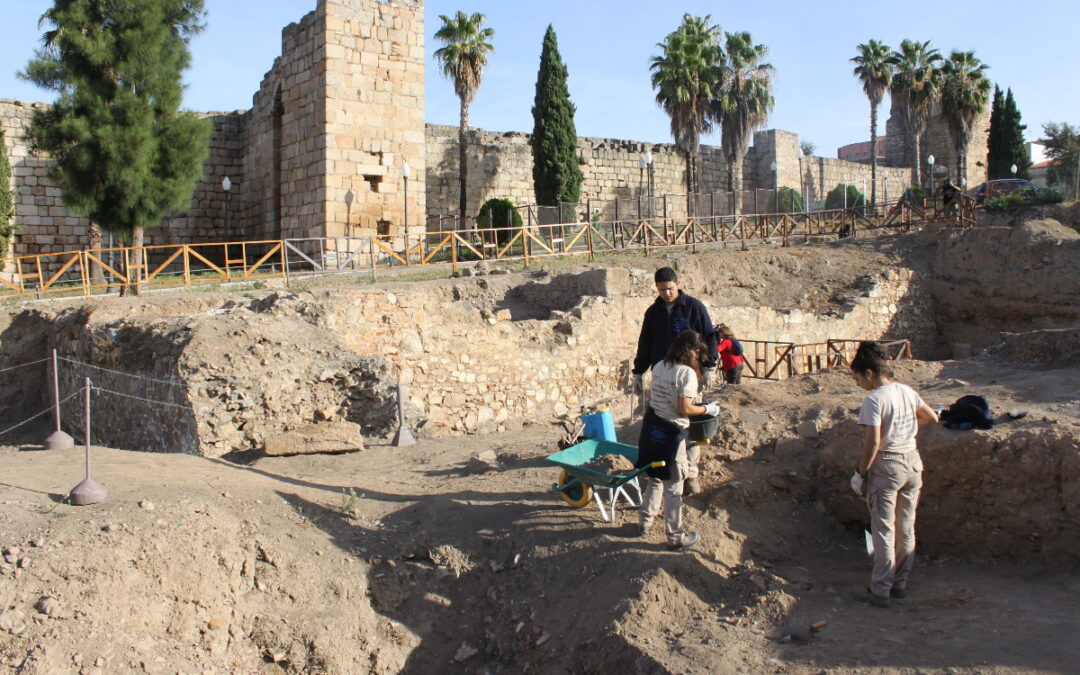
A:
{"x":689,"y":540}
{"x":691,"y":486}
{"x":641,"y":529}
{"x":898,"y":593}
{"x":875,"y":600}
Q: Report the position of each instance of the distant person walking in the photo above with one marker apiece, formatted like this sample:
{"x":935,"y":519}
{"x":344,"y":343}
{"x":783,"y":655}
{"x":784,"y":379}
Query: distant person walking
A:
{"x":950,"y":194}
{"x":731,"y":355}
{"x":671,"y":313}
{"x":663,"y":436}
{"x":890,"y":469}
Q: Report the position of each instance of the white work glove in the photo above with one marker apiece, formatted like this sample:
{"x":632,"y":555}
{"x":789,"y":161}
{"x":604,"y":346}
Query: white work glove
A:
{"x":857,"y":483}
{"x":712,"y":409}
{"x":707,"y":377}
{"x":638,"y":386}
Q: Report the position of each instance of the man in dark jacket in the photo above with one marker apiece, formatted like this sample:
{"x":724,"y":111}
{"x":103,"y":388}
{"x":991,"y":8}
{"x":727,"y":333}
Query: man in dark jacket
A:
{"x":672,"y":313}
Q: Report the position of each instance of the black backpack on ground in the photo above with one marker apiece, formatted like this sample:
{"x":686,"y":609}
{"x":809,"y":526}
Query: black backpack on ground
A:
{"x":971,"y":409}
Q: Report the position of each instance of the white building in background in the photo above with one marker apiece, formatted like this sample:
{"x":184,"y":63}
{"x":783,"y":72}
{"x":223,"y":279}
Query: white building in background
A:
{"x":1039,"y":163}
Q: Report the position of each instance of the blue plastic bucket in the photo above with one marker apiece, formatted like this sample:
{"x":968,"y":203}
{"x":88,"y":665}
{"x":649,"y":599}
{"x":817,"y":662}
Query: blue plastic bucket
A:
{"x":599,"y":424}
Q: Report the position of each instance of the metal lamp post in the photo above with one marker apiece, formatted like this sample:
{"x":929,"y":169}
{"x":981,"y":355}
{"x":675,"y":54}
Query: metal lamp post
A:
{"x":405,"y":176}
{"x":885,"y":184}
{"x":930,"y":176}
{"x":775,"y":188}
{"x":226,"y":185}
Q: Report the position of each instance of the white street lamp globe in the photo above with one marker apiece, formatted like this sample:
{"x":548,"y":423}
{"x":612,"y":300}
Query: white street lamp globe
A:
{"x":226,"y":184}
{"x":930,"y":160}
{"x":648,"y":158}
{"x":405,"y":169}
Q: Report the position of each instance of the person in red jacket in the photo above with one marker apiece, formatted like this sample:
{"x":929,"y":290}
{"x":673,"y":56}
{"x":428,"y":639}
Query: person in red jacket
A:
{"x":731,"y":355}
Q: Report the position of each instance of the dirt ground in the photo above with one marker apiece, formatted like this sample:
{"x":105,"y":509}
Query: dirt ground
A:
{"x":455,"y":556}
{"x":438,"y":558}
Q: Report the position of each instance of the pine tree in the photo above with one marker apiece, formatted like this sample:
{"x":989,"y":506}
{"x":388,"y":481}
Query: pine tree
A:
{"x":556,"y":174}
{"x":1006,"y":145}
{"x":125,"y":154}
{"x":7,"y":199}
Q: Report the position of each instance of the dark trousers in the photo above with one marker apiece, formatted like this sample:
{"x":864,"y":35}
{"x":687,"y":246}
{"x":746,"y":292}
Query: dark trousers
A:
{"x":734,"y":375}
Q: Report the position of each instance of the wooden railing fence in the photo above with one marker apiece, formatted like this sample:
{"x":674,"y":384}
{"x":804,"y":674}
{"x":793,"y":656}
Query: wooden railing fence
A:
{"x":96,"y":271}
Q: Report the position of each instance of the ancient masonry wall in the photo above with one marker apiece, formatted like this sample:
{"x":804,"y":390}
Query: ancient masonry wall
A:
{"x":450,"y":353}
{"x":44,"y":225}
{"x":938,"y":142}
{"x":500,"y":165}
{"x":321,"y":148}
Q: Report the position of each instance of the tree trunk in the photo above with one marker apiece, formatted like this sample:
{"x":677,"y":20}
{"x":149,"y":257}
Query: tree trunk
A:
{"x":918,"y":159}
{"x":873,"y":154}
{"x":691,"y":169}
{"x":97,"y":274}
{"x":136,"y":264}
{"x":463,"y":167}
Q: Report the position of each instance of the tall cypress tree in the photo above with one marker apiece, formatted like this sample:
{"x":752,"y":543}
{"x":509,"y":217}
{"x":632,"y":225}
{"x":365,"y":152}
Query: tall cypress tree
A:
{"x":1006,"y":145}
{"x":7,"y":198}
{"x":995,"y":146}
{"x":1014,"y":137}
{"x":556,"y":174}
{"x":125,"y":153}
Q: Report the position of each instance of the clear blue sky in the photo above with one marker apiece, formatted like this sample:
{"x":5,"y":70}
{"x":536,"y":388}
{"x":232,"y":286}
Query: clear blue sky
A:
{"x":606,"y":45}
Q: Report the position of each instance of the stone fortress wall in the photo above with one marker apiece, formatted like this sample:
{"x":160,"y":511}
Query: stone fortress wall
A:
{"x":321,"y":151}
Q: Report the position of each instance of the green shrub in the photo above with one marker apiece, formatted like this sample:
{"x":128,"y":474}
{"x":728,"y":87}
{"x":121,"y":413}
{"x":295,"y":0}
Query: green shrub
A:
{"x":786,"y":200}
{"x":914,"y":195}
{"x":1006,"y":202}
{"x":835,"y":199}
{"x":1048,"y":196}
{"x":502,"y":214}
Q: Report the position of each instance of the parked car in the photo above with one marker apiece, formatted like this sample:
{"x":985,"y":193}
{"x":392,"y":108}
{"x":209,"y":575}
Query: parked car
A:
{"x":1004,"y":186}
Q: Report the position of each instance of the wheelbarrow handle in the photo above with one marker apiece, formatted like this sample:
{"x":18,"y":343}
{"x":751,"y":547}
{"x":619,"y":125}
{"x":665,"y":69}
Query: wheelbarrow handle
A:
{"x":658,"y":465}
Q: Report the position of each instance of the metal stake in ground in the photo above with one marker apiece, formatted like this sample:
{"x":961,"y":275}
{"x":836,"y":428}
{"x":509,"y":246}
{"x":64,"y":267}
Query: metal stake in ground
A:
{"x":57,"y":440}
{"x":89,"y":491}
{"x":403,"y":436}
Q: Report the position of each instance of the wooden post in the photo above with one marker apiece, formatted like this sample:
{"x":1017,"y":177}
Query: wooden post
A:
{"x":453,"y":252}
{"x":589,"y":238}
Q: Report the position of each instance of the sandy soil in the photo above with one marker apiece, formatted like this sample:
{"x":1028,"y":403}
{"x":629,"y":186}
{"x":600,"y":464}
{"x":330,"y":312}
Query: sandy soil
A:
{"x":426,"y":559}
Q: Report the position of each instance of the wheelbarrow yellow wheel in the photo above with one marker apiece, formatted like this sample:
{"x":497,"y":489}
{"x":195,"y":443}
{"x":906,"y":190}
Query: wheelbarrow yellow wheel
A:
{"x":578,"y":495}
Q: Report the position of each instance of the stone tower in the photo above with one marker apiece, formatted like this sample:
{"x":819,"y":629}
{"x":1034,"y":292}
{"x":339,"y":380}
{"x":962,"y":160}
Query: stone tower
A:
{"x":938,"y":142}
{"x":335,"y":120}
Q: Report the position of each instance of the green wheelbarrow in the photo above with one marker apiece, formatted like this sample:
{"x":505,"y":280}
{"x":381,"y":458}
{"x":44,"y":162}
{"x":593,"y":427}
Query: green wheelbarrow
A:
{"x":579,"y":485}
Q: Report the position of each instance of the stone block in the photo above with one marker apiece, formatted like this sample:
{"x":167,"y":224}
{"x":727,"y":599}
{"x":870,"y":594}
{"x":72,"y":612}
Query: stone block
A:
{"x":324,"y":437}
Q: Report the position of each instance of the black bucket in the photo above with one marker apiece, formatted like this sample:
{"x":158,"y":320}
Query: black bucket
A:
{"x":702,"y":427}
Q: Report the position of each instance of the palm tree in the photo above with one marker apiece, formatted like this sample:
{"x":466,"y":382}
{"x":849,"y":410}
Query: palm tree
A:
{"x":745,"y":100}
{"x":685,"y":78}
{"x":964,"y":94}
{"x":916,"y":85}
{"x":873,"y":67}
{"x":466,"y":45}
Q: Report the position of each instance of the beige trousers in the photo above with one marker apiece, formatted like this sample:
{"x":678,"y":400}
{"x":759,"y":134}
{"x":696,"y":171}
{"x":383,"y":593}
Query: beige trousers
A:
{"x":693,"y":456}
{"x":892,"y":494}
{"x":669,"y":492}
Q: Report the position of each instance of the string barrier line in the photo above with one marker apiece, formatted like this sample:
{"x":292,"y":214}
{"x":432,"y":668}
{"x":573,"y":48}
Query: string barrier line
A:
{"x":23,"y":365}
{"x":43,"y":412}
